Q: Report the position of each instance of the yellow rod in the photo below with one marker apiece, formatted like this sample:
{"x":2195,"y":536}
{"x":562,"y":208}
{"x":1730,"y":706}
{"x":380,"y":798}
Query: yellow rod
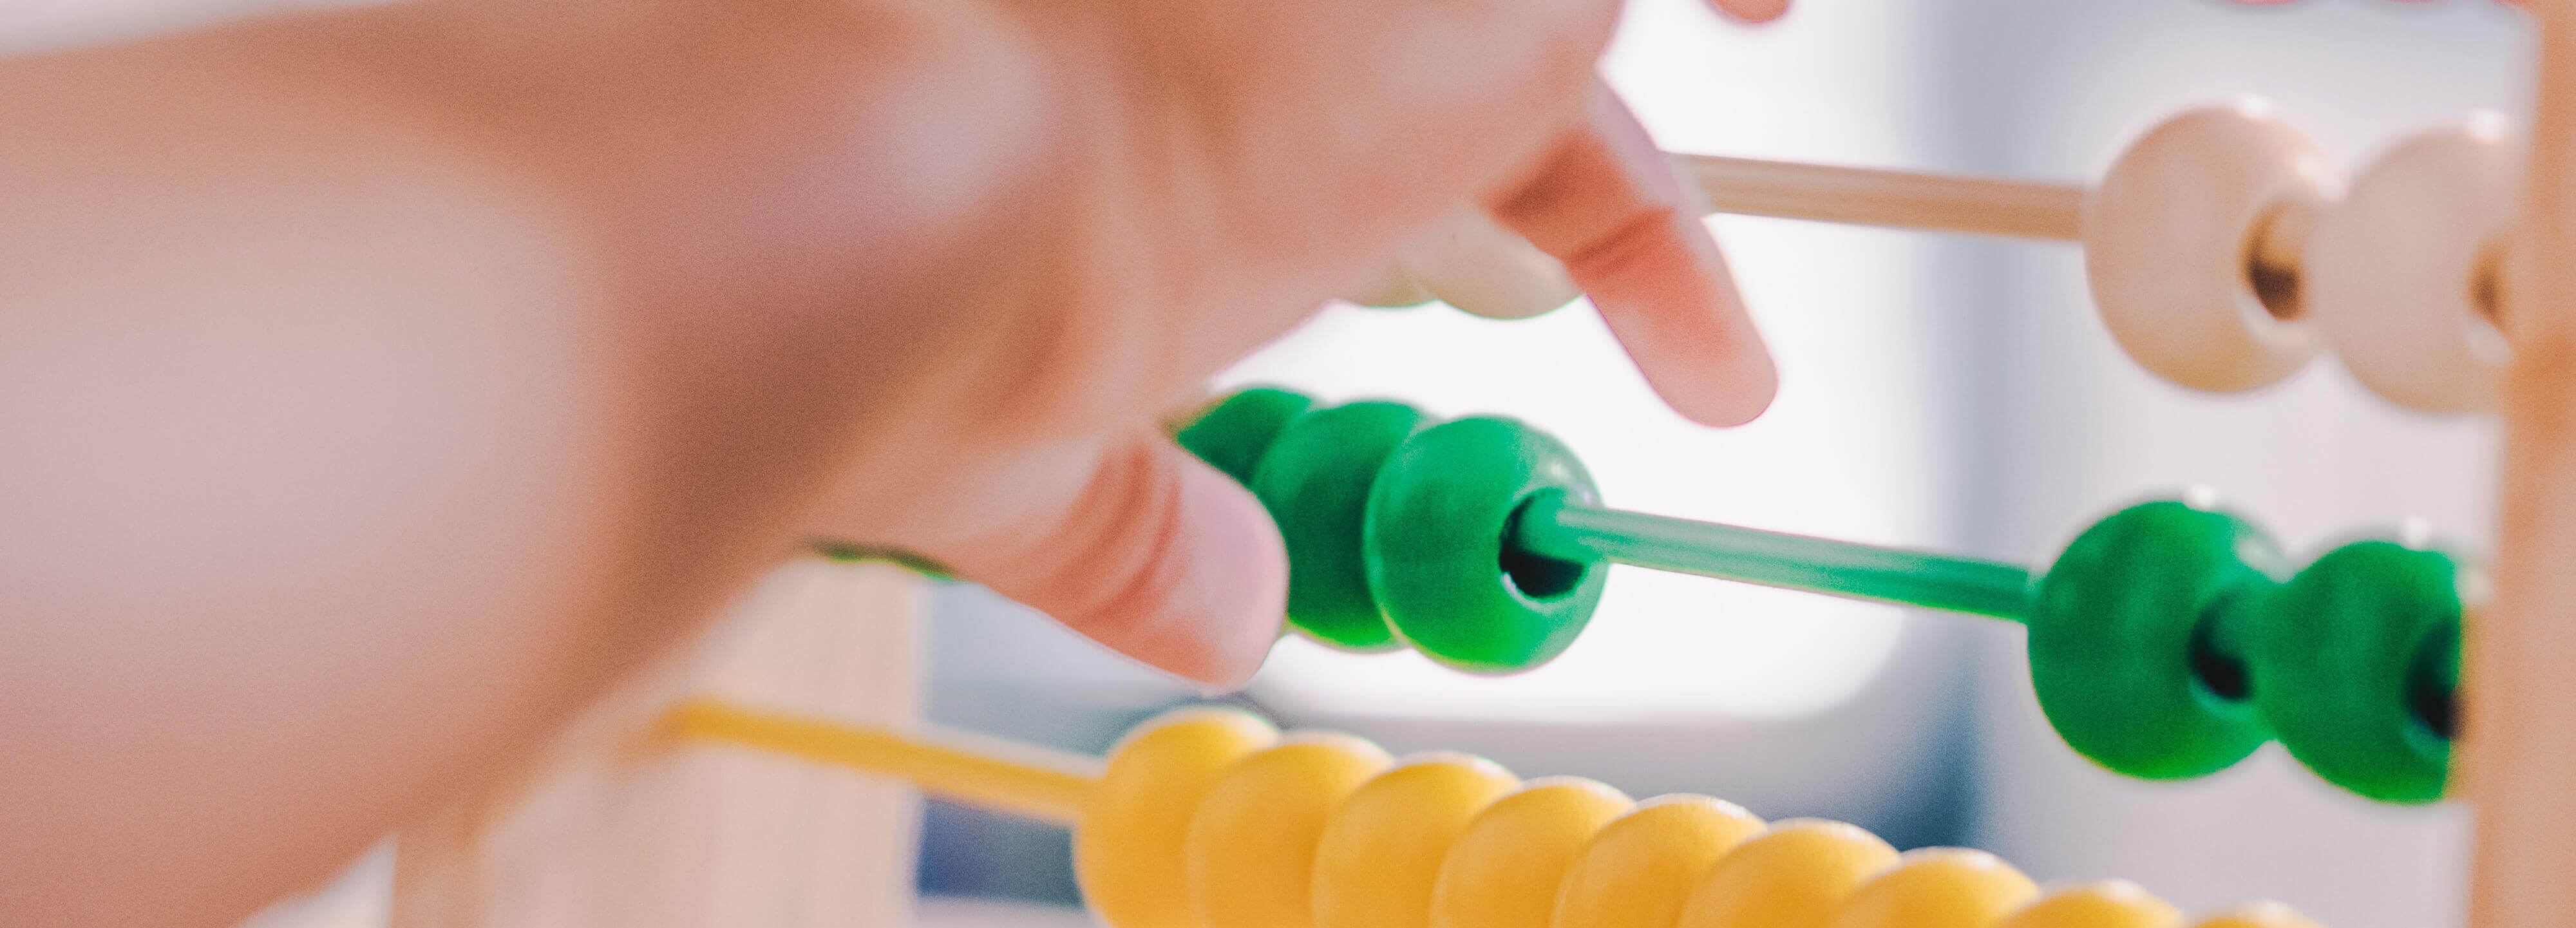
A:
{"x":991,"y":773}
{"x":1900,"y":199}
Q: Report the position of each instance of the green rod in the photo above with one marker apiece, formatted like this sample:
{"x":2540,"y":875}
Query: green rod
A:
{"x":1550,"y":527}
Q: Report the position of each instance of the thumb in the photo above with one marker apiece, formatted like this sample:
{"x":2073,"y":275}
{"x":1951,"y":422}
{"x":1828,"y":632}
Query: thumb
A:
{"x":1134,"y":543}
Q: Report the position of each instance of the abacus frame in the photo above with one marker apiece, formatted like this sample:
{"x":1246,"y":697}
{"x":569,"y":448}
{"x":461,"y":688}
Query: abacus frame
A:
{"x":2517,"y":750}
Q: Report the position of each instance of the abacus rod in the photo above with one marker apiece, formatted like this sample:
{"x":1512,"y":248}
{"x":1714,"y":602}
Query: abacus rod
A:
{"x":1901,"y":199}
{"x":993,"y":774}
{"x":1551,"y":527}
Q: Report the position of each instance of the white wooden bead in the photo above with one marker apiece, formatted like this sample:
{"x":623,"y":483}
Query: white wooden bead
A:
{"x":2169,"y":238}
{"x":1470,"y":262}
{"x":2402,"y":270}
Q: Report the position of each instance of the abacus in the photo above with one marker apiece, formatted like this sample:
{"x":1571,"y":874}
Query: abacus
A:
{"x":1209,"y":818}
{"x":2166,"y":641}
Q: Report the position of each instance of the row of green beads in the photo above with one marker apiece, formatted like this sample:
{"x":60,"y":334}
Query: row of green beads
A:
{"x":1396,"y":526}
{"x":2165,"y":643}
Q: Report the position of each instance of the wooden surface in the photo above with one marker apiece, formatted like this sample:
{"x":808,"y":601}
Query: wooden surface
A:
{"x":2518,"y":761}
{"x":619,"y":826}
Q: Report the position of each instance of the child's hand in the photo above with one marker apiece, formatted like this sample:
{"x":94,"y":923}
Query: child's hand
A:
{"x":379,"y":385}
{"x":1002,"y":235}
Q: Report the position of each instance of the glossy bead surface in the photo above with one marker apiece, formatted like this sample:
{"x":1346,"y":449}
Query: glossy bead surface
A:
{"x":1252,"y":837}
{"x":1315,"y":480}
{"x":1641,"y":868}
{"x":1234,"y":434}
{"x":1380,"y":855}
{"x":1129,"y":850}
{"x":1793,"y":875}
{"x":2167,"y":239}
{"x":2357,"y":663}
{"x":2123,"y":652}
{"x":2106,"y":904}
{"x":1504,"y":870}
{"x":1942,"y":887}
{"x":1437,"y":525}
{"x":2402,"y":271}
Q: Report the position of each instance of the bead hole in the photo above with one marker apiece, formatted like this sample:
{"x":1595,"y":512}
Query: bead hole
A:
{"x":2271,"y":266}
{"x":2486,"y":284}
{"x":1535,"y":575}
{"x":2219,"y":670}
{"x":2432,"y":682}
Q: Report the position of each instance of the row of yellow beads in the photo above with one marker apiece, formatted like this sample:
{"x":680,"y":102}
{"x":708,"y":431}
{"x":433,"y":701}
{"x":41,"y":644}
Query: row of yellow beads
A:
{"x":1210,"y":819}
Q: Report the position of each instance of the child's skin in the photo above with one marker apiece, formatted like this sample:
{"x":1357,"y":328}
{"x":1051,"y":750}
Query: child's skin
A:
{"x":376,"y":386}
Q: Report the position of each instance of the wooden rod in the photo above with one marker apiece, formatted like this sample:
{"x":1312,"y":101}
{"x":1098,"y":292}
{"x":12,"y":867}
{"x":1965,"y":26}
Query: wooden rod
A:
{"x":1872,"y":197}
{"x":2518,"y":751}
{"x":990,"y":773}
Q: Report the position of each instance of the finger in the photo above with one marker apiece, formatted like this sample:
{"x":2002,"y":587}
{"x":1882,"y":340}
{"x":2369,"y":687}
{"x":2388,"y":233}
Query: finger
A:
{"x":1752,"y":11}
{"x":1343,"y":126}
{"x":1133,"y":543}
{"x":1479,"y":267}
{"x":1607,"y":203}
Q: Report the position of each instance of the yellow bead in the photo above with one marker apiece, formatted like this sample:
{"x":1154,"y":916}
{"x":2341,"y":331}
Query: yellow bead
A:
{"x":1128,"y":848}
{"x":1504,"y":869}
{"x":1640,"y":869}
{"x":1381,"y":853}
{"x":1944,"y":887}
{"x":1251,"y":845}
{"x":1792,"y":876}
{"x":2107,"y":904}
{"x":2258,"y":915}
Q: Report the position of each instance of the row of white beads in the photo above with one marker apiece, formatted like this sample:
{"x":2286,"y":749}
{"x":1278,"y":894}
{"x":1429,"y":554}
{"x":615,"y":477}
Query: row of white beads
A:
{"x":2220,"y":249}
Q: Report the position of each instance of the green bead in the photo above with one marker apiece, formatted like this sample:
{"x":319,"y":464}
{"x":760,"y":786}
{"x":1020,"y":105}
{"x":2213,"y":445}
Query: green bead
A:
{"x":2356,"y":663}
{"x":1437,"y":557}
{"x":1234,"y":435}
{"x":1315,"y":481}
{"x":2132,"y":635}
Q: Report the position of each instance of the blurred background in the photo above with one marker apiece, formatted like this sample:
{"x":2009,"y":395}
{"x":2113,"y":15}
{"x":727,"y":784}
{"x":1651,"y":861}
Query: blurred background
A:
{"x":1937,"y":391}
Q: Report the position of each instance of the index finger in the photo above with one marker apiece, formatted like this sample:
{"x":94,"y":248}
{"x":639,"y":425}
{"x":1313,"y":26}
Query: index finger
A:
{"x":1608,"y":204}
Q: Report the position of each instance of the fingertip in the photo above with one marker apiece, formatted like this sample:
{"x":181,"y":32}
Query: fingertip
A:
{"x":1610,"y":206}
{"x":1665,"y":291}
{"x":1738,"y":393}
{"x":1204,"y":595}
{"x":1701,"y":354}
{"x":1138,"y":546}
{"x":1745,"y":382}
{"x":1228,"y":605}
